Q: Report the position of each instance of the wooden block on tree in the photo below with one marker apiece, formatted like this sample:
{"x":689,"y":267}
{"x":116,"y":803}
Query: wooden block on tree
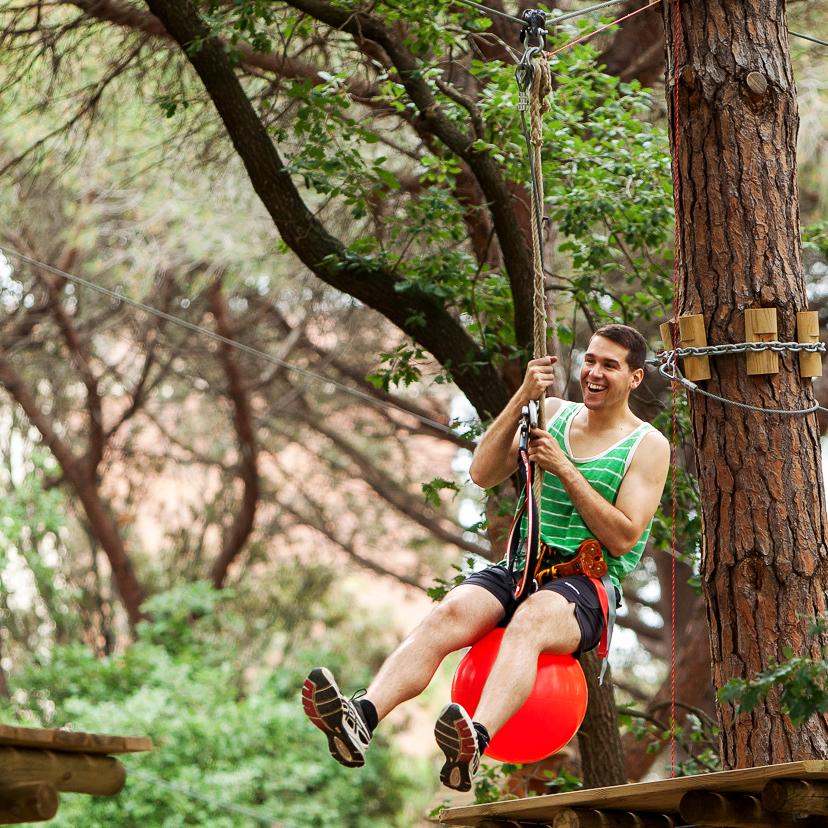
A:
{"x":737,"y":811}
{"x":666,"y":331}
{"x":760,"y":326}
{"x":796,"y":796}
{"x":693,"y":335}
{"x":590,"y":818}
{"x":28,"y":802}
{"x":807,"y":330}
{"x":70,"y":772}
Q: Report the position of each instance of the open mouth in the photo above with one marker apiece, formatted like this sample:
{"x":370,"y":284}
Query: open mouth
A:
{"x":595,"y":389}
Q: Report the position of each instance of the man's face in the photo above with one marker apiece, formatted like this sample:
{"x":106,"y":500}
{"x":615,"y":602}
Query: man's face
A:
{"x":606,"y":379}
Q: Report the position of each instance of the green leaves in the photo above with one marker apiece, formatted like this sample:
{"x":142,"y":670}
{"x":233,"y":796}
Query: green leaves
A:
{"x":432,"y":490}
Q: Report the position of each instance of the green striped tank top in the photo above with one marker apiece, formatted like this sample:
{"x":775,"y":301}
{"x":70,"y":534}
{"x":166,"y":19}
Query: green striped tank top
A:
{"x":561,"y":526}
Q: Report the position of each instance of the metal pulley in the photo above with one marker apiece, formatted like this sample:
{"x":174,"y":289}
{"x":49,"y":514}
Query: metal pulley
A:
{"x":535,"y":26}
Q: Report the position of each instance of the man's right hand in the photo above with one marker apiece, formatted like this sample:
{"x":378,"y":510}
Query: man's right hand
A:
{"x":496,"y":456}
{"x":540,"y":376}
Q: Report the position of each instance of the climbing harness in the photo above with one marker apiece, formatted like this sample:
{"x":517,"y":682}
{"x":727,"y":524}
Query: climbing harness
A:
{"x":520,"y":548}
{"x":589,"y":562}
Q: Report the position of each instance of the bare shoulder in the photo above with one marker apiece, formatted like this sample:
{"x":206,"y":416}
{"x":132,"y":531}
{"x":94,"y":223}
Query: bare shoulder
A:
{"x":552,"y":405}
{"x":653,"y":451}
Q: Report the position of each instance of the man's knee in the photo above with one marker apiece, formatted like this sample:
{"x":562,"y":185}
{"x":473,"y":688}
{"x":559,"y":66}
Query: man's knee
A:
{"x":463,"y":615}
{"x":548,"y":619}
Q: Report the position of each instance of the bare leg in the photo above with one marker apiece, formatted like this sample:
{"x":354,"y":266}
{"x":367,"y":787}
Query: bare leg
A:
{"x":464,"y":616}
{"x":544,"y":623}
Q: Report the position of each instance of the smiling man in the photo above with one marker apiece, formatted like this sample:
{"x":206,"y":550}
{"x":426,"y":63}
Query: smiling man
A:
{"x":605,"y":471}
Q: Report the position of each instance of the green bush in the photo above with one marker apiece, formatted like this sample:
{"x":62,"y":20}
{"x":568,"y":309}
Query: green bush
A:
{"x":225,"y":738}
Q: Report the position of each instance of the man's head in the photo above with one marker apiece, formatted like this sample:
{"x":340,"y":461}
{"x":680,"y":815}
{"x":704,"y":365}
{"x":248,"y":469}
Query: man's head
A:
{"x":613,"y":366}
{"x":628,"y":338}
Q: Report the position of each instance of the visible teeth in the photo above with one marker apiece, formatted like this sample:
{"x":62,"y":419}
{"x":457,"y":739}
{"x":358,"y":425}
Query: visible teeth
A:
{"x":595,"y":387}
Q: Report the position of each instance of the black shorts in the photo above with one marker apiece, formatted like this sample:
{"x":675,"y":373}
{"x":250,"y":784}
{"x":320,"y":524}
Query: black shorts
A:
{"x":578,"y":590}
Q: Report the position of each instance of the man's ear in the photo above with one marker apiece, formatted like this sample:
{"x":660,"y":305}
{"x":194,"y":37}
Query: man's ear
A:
{"x":637,"y":378}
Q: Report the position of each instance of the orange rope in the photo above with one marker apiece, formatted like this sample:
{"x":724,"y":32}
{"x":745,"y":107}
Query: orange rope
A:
{"x":675,"y":408}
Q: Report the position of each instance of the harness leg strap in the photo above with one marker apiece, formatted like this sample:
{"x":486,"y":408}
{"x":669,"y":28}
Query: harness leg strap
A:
{"x":608,"y":597}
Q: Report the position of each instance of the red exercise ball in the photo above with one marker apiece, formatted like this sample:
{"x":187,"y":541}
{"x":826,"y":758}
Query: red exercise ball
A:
{"x":549,"y":718}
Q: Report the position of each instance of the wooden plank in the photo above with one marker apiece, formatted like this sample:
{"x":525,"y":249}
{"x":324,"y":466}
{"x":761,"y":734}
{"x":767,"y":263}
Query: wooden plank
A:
{"x":807,"y":331}
{"x":693,"y":335}
{"x":663,"y":796}
{"x":70,"y":772}
{"x":29,"y":802}
{"x":796,"y":796}
{"x":760,"y":326}
{"x":588,"y":818}
{"x":737,"y":811}
{"x":666,"y":330}
{"x":73,"y":741}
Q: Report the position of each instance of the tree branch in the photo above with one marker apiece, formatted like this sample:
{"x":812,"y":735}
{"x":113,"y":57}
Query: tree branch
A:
{"x":323,"y":528}
{"x":390,"y":491}
{"x":74,"y":469}
{"x":361,"y":26}
{"x":139,"y":20}
{"x":245,"y":431}
{"x":321,"y":252}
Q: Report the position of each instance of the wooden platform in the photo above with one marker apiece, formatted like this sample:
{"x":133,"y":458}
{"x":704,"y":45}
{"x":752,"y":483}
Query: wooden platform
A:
{"x":661,"y":797}
{"x":72,"y":741}
{"x":37,"y":764}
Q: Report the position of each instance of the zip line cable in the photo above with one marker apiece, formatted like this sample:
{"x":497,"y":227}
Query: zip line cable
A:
{"x":212,"y":800}
{"x":591,"y":9}
{"x":808,"y":37}
{"x":601,"y":28}
{"x":347,"y":389}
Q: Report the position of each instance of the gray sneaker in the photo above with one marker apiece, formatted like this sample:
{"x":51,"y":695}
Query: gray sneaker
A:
{"x":457,"y":738}
{"x":337,"y":717}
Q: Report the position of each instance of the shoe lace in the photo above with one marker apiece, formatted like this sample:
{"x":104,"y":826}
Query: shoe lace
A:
{"x":355,"y":714}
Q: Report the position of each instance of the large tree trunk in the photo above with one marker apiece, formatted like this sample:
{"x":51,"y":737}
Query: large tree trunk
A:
{"x":764,"y":557}
{"x":599,"y":740}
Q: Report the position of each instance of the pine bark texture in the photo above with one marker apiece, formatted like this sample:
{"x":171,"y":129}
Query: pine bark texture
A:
{"x":764,"y":551}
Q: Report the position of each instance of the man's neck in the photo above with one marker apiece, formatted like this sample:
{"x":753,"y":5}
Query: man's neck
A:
{"x":600,"y":420}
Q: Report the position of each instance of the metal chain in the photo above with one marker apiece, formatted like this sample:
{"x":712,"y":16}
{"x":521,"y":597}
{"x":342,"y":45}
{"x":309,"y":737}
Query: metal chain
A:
{"x":744,"y":347}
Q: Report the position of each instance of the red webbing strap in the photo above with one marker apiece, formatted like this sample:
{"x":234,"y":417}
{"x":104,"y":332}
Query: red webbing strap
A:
{"x":608,"y":596}
{"x":603,"y":646}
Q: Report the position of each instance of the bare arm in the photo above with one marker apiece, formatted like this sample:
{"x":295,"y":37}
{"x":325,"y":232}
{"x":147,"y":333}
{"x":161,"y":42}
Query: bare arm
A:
{"x":618,"y":527}
{"x":496,"y":455}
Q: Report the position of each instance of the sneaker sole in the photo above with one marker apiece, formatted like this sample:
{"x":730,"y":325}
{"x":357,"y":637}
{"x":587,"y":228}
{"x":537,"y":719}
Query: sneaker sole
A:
{"x":457,"y":738}
{"x":323,"y":706}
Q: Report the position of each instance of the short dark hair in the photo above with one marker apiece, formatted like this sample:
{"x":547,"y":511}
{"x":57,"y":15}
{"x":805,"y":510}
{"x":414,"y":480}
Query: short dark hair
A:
{"x":628,"y":338}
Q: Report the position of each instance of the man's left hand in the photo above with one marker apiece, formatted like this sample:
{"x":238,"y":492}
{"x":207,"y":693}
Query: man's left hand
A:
{"x":545,"y":450}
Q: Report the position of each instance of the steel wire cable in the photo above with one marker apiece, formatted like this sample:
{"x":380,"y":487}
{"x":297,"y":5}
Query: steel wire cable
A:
{"x":275,"y":822}
{"x":120,"y":297}
{"x":589,"y":10}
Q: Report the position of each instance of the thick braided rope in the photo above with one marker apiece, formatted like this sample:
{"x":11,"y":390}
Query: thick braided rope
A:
{"x":538,"y":105}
